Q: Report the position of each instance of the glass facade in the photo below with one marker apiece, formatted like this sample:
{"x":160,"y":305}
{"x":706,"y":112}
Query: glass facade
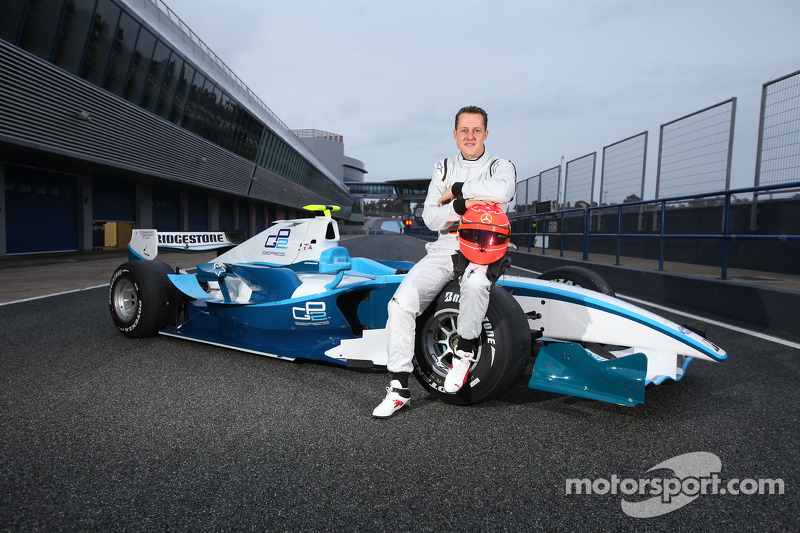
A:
{"x":372,"y":189}
{"x":71,"y":39}
{"x":353,"y":175}
{"x":412,"y":189}
{"x":107,"y":46}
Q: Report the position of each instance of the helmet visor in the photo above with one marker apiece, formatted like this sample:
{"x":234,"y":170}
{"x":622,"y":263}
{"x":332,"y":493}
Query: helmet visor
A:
{"x":483,"y":238}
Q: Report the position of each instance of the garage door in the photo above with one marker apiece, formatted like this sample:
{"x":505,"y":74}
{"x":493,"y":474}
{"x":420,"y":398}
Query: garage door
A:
{"x":198,"y":212}
{"x":166,"y":210}
{"x":41,"y":210}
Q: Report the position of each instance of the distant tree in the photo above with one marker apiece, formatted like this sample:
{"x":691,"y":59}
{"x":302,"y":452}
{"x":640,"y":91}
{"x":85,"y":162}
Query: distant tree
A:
{"x":631,"y":198}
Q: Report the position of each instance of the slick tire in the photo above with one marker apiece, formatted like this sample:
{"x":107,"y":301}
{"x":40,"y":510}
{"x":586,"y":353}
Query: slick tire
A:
{"x":579,"y":277}
{"x":504,"y":349}
{"x":141,"y":298}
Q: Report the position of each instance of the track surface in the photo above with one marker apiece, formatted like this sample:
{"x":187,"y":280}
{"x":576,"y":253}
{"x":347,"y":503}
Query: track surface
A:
{"x":101,"y":432}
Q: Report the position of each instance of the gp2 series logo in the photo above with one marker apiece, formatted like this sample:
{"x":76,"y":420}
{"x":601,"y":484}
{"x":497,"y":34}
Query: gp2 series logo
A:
{"x":313,"y":312}
{"x":280,"y":240}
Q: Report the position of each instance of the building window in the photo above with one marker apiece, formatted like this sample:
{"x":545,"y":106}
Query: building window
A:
{"x":139,"y":66}
{"x":13,"y":11}
{"x":41,"y":25}
{"x":121,"y":54}
{"x":155,"y":77}
{"x":182,"y":94}
{"x":101,"y":36}
{"x":73,"y":33}
{"x":195,"y":93}
{"x":203,"y":108}
{"x":167,"y":94}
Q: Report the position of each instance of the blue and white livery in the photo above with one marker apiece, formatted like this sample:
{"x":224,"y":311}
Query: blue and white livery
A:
{"x":292,"y":292}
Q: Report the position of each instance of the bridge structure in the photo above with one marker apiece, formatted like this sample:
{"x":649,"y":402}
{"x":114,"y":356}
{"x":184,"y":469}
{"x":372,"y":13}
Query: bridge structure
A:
{"x":407,"y":191}
{"x":410,"y":192}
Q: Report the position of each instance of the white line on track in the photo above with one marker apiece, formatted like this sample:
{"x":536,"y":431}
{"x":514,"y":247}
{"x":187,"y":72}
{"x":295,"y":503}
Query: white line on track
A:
{"x":752,"y":333}
{"x":54,"y":294}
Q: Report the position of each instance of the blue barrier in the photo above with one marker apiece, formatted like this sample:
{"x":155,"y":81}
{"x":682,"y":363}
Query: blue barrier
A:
{"x":725,"y":236}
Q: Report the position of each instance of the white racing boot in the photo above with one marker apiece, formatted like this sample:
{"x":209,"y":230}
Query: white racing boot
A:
{"x":459,"y":371}
{"x":396,"y":398}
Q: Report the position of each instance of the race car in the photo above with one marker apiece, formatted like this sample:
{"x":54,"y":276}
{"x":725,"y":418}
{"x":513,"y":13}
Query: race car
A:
{"x":291,"y":292}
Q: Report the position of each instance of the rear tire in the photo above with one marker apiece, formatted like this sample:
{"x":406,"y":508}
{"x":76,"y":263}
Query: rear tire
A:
{"x":141,"y":298}
{"x":505,"y":345}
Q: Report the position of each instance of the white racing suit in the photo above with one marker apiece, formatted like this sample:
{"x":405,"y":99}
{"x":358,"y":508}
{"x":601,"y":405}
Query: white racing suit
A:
{"x":486,"y":178}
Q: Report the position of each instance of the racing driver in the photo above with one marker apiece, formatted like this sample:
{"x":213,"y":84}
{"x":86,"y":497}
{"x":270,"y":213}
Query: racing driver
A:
{"x":468,"y":178}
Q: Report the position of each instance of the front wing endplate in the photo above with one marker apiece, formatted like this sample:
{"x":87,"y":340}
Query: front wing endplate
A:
{"x":567,"y":368}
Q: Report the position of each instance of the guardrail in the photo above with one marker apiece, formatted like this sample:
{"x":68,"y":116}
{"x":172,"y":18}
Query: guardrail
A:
{"x":726,"y":236}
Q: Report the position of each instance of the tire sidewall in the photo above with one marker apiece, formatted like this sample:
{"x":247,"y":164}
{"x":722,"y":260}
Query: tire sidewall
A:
{"x":125,"y":326}
{"x":502,"y":355}
{"x":156,"y":299}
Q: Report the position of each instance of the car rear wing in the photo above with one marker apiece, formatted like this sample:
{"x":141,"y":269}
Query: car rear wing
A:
{"x":145,"y":243}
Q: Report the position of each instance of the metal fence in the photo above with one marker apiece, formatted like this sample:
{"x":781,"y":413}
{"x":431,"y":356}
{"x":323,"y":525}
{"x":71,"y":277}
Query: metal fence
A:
{"x":551,"y":231}
{"x":579,"y":181}
{"x":528,"y":194}
{"x":623,"y":169}
{"x":533,"y":192}
{"x":692,"y":189}
{"x":694,"y":158}
{"x":550,"y":186}
{"x":778,"y":154}
{"x":695,"y":151}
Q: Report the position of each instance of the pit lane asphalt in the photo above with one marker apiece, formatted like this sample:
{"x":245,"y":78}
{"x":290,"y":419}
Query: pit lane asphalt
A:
{"x":101,"y":432}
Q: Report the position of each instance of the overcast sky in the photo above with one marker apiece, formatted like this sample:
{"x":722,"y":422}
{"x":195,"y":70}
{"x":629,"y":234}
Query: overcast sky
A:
{"x":558,"y":78}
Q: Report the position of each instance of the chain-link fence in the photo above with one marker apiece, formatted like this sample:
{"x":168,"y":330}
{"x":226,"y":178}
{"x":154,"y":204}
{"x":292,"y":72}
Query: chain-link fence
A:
{"x":579,"y":181}
{"x":550,"y":186}
{"x":527,"y":195}
{"x":694,"y":152}
{"x":694,"y":157}
{"x":778,"y":155}
{"x":623,"y":168}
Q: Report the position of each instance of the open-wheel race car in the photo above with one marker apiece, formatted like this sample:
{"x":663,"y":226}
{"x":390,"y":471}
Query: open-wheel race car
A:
{"x":292,"y":292}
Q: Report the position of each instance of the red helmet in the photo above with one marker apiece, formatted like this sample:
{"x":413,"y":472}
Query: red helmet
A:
{"x":483,"y":234}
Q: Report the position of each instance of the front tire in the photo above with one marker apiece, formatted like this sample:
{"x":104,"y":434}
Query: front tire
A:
{"x":505,"y":345}
{"x":141,"y":298}
{"x":579,"y":277}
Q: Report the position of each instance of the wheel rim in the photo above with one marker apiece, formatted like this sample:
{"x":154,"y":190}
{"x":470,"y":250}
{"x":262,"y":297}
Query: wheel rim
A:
{"x":126,"y":300}
{"x":437,"y":347}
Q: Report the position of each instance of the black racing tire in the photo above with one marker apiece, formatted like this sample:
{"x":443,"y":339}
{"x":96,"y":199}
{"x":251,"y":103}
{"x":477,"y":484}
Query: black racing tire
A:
{"x":141,"y":298}
{"x":503,"y":353}
{"x":579,"y":277}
